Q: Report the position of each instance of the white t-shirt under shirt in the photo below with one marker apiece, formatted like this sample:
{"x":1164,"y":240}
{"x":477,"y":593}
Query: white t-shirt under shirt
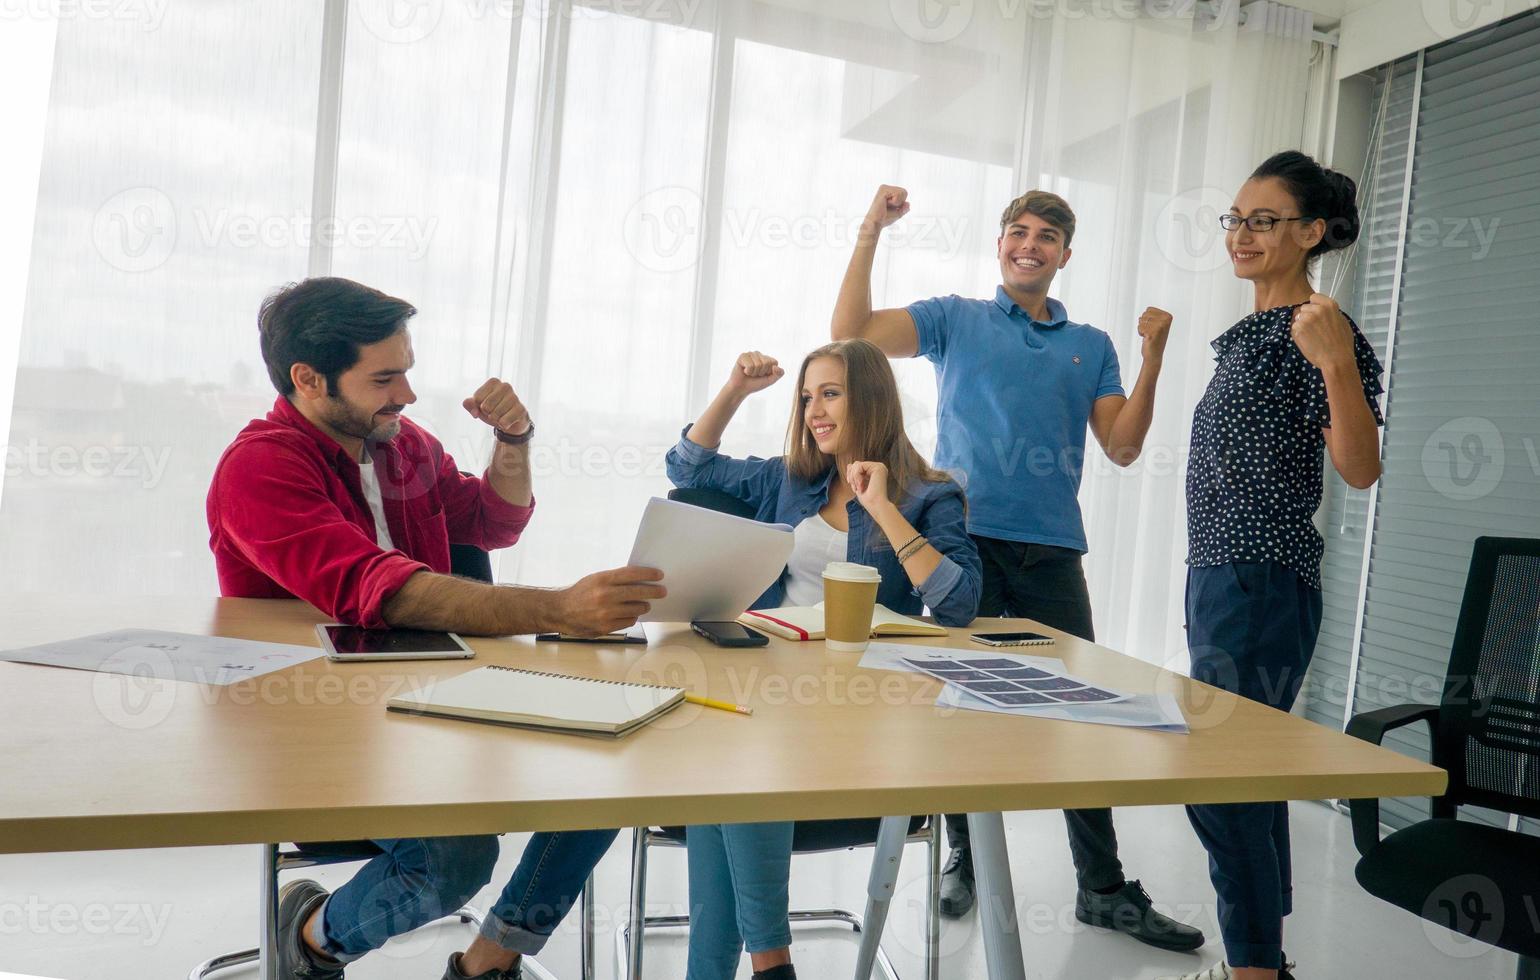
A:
{"x":371,"y":485}
{"x":815,"y":543}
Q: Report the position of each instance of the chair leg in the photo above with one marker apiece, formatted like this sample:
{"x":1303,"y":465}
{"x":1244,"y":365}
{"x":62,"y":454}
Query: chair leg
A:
{"x":636,"y":927}
{"x":933,"y":899}
{"x":586,"y":940}
{"x":267,"y":942}
{"x":1529,"y":968}
{"x":880,"y":886}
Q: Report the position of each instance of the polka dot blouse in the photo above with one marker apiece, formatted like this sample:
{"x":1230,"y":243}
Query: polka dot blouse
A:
{"x":1254,"y":475}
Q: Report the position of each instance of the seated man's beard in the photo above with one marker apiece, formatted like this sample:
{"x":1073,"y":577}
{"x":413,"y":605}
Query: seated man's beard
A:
{"x":351,"y":421}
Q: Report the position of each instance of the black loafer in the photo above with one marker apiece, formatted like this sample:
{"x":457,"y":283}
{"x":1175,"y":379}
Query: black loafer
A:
{"x":1128,"y":910}
{"x":296,"y":901}
{"x":957,"y":884}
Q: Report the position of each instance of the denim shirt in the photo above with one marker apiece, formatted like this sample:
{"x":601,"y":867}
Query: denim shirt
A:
{"x":935,"y":509}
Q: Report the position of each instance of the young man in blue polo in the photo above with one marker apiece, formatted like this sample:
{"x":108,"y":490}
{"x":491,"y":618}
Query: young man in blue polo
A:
{"x":1018,"y":384}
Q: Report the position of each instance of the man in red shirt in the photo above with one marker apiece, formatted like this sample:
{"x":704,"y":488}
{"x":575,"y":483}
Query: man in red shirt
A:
{"x":337,"y":499}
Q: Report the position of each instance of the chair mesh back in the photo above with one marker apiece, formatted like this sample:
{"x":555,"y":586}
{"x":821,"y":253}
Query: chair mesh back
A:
{"x":1502,"y":752}
{"x":1500,"y":724}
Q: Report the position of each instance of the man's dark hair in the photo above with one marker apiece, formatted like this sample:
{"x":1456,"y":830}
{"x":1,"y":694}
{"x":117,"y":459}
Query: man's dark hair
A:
{"x":323,"y":322}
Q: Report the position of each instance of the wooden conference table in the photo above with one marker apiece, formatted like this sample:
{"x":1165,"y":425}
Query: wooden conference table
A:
{"x":100,"y":761}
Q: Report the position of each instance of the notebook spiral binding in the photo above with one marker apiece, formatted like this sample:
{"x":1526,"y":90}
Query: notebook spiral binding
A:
{"x":590,"y":680}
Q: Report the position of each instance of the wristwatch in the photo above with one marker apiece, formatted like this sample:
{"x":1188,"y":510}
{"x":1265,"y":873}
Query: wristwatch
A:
{"x":507,"y":439}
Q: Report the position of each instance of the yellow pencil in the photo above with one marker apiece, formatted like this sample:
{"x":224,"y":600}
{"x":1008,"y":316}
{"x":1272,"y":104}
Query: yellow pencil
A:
{"x":719,"y":705}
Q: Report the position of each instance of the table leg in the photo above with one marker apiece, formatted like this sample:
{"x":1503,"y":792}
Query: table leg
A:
{"x":996,"y":899}
{"x":891,"y":835}
{"x":267,"y":914}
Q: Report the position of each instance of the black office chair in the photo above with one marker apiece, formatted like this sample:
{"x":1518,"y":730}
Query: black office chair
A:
{"x":716,"y":500}
{"x":1480,"y":881}
{"x":808,"y":837}
{"x":466,"y":561}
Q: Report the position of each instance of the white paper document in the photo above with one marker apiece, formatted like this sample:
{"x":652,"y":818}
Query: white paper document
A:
{"x":714,"y":565}
{"x":1158,"y":712}
{"x":215,"y":660}
{"x":1037,"y":687}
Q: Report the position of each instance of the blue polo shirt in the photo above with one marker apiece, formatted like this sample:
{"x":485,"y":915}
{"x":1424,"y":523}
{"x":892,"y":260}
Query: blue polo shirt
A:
{"x":1014,"y":398}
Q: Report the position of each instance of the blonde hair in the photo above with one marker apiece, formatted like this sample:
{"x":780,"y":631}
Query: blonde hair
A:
{"x":874,"y":421}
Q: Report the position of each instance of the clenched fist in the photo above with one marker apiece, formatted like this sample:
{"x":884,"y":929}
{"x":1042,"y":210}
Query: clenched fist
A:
{"x":890,"y":204}
{"x":496,"y":404}
{"x":869,"y":481}
{"x":1154,"y":327}
{"x":1322,"y":333}
{"x":753,"y":372}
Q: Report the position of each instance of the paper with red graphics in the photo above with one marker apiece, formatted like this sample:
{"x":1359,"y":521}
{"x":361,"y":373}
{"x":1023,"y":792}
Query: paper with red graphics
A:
{"x":158,"y":655}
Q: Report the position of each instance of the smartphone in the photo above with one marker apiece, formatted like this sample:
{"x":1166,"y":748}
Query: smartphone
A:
{"x":730,"y":634}
{"x":1012,"y":639}
{"x":633,"y":635}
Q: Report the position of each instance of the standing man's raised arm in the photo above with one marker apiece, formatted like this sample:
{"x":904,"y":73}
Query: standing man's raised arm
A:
{"x":891,"y":330}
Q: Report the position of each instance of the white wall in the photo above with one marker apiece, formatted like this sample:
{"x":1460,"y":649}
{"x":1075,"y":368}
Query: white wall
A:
{"x":1380,"y":32}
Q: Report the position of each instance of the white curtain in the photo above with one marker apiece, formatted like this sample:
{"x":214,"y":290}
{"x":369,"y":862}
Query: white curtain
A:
{"x":1152,"y":125}
{"x":605,"y":204}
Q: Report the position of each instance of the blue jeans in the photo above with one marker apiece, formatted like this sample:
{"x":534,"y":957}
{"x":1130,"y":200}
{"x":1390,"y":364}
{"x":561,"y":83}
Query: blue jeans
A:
{"x":420,"y":879}
{"x":738,"y":894}
{"x":1251,"y":629}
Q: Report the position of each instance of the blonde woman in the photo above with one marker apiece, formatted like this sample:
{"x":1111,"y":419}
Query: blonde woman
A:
{"x":854,"y":489}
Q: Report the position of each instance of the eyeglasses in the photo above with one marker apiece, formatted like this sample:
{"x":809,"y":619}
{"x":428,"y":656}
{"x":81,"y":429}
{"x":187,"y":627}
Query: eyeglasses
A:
{"x":1256,"y":222}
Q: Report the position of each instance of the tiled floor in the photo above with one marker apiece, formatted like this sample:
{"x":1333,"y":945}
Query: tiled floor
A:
{"x":152,"y":914}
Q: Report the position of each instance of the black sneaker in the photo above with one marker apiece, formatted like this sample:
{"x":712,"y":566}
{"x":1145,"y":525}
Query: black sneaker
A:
{"x":957,"y":884}
{"x":296,"y":901}
{"x":1128,"y":910}
{"x":452,"y":972}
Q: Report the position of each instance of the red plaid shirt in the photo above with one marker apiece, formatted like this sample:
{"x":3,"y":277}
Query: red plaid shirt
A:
{"x":288,"y":517}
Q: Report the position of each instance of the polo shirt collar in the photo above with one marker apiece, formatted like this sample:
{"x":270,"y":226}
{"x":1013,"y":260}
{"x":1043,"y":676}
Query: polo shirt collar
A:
{"x":1057,"y":316}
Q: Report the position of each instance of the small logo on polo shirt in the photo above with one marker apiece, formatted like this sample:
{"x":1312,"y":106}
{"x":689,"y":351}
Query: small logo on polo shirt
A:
{"x":1076,"y":358}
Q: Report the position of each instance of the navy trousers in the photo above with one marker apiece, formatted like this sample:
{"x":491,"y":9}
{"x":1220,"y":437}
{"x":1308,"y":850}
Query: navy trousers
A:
{"x":1251,"y":629}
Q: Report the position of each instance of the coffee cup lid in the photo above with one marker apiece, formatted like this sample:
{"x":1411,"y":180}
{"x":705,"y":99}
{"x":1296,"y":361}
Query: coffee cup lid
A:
{"x":849,"y":571}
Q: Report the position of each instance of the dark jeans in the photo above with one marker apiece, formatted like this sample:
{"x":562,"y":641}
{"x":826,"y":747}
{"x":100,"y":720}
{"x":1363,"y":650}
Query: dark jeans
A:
{"x":419,"y":879}
{"x":1251,"y":629}
{"x":1045,"y":583}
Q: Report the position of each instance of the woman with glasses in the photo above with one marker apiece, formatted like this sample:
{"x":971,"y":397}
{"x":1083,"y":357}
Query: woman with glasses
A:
{"x":1294,"y":380}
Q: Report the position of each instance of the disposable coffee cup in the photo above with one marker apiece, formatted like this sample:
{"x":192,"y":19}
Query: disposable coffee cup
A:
{"x":849,"y":597}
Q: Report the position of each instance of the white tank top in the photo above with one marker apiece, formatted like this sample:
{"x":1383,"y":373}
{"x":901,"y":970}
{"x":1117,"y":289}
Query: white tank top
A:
{"x":816,"y":542}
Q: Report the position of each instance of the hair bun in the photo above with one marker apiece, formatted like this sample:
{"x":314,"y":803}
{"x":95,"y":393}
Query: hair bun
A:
{"x":1320,"y":193}
{"x":1342,"y":224}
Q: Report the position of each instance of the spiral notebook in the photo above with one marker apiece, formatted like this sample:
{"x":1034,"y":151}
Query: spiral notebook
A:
{"x":548,"y":702}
